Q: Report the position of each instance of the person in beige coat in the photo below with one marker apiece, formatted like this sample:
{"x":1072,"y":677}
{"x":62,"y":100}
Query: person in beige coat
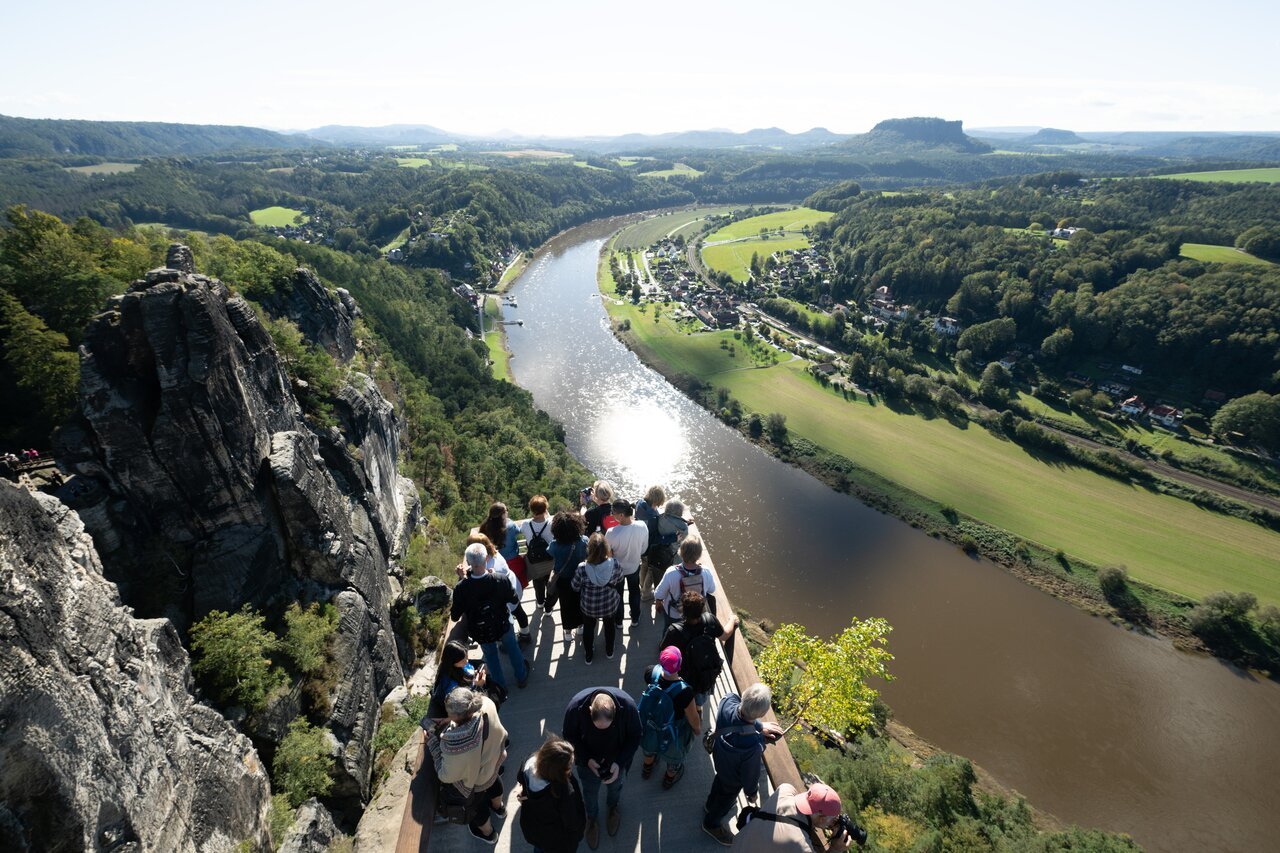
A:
{"x":468,"y":751}
{"x":794,"y":822}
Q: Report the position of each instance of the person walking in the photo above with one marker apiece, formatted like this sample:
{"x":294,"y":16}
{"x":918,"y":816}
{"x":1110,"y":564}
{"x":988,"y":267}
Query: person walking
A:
{"x":686,"y":575}
{"x":603,"y":725}
{"x":468,"y":750}
{"x":628,"y":540}
{"x":597,"y":583}
{"x":792,"y":822}
{"x":738,"y":755}
{"x":482,"y":597}
{"x":669,"y":717}
{"x":552,"y":813}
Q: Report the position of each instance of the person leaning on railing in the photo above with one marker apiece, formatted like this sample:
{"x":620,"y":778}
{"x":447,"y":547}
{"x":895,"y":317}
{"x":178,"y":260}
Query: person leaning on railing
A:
{"x":806,"y":822}
{"x":738,"y":753}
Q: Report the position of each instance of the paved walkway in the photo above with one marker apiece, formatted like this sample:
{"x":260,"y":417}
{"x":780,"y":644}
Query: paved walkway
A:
{"x":652,"y":819}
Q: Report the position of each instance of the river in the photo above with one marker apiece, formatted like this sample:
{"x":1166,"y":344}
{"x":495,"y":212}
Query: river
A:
{"x":1095,"y":724}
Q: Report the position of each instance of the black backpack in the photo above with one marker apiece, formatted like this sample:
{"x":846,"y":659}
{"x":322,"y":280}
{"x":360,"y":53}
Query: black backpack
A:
{"x":704,"y":661}
{"x":488,"y":620}
{"x":538,"y":551}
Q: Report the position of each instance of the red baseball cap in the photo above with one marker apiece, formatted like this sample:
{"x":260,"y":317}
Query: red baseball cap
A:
{"x":820,"y":799}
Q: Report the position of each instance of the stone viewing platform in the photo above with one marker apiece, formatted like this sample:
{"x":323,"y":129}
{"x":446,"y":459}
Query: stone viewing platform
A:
{"x":653,"y":819}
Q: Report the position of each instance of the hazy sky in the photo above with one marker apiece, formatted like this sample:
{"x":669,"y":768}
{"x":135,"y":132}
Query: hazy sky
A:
{"x":578,"y":68}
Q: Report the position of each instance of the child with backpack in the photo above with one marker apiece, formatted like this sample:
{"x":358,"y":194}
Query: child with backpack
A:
{"x":669,"y":718}
{"x":696,"y":637}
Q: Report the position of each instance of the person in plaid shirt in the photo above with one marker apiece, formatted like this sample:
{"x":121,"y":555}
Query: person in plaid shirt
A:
{"x":596,"y":581}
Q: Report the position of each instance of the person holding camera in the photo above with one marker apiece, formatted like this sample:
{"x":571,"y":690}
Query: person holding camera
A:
{"x":738,"y":753}
{"x":809,"y":822}
{"x":603,"y":725}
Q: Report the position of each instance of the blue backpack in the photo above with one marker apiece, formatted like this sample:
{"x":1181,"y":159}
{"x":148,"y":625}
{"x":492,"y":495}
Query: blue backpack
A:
{"x":658,"y":711}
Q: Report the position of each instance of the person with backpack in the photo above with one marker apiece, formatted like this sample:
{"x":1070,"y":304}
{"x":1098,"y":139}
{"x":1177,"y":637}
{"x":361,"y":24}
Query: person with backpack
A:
{"x":568,"y":549}
{"x":669,"y":718}
{"x":598,"y":517}
{"x":497,"y":564}
{"x":552,"y":814}
{"x":696,"y":637}
{"x":737,"y":751}
{"x":482,"y":597}
{"x":627,"y":540}
{"x":502,"y":533}
{"x":468,"y":750}
{"x":538,"y":561}
{"x":793,"y":822}
{"x":596,"y":581}
{"x":648,"y":509}
{"x":603,"y":724}
{"x":686,"y":575}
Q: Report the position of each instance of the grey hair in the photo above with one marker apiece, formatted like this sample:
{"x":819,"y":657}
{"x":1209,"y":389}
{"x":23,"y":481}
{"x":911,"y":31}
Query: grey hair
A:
{"x":691,"y":549}
{"x":674,"y":507}
{"x":476,"y":555}
{"x":463,"y":702}
{"x":756,"y":700}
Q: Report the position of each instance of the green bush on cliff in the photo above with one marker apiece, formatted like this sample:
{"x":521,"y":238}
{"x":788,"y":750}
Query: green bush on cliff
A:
{"x":231,"y":657}
{"x":303,"y":767}
{"x":308,"y":633}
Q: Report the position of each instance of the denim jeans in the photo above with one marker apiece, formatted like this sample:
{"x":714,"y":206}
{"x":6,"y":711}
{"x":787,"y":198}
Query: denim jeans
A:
{"x":494,"y":662}
{"x":719,"y":802}
{"x":591,"y":791}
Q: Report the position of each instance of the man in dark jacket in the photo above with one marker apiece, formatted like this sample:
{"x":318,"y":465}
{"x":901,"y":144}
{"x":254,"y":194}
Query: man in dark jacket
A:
{"x":738,"y":754}
{"x":483,"y":598}
{"x":603,"y":724}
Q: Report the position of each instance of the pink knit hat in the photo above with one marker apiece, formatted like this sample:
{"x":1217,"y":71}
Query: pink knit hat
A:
{"x":670,"y":660}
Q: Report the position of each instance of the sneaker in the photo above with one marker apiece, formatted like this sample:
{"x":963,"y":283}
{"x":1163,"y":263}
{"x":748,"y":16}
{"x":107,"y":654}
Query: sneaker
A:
{"x":491,"y":838}
{"x":670,"y":779}
{"x":593,"y":834}
{"x":609,"y":654}
{"x":500,"y":812}
{"x":613,"y":821}
{"x":720,"y":834}
{"x":524,"y":638}
{"x":577,"y":633}
{"x":588,"y":657}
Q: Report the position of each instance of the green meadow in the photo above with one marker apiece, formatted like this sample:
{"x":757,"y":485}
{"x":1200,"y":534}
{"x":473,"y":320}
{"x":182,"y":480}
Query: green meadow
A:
{"x":735,"y":258}
{"x":103,"y":169}
{"x":1046,"y":501}
{"x":649,"y":231}
{"x":1219,"y":254}
{"x":413,"y":162}
{"x":1267,"y":176}
{"x":276,"y":217}
{"x":494,"y":339}
{"x":677,"y":169}
{"x":788,"y":220}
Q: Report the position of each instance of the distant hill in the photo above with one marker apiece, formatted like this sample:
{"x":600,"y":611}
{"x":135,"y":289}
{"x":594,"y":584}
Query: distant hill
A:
{"x":915,"y":136}
{"x":1053,"y":136}
{"x":30,"y":137}
{"x":768,"y":137}
{"x":391,"y":134}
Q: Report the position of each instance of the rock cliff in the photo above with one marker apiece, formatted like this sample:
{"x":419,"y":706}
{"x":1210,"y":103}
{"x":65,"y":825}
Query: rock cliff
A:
{"x":102,"y":746}
{"x":205,"y":488}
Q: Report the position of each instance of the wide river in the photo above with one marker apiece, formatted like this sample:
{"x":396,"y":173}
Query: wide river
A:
{"x":1095,"y":724}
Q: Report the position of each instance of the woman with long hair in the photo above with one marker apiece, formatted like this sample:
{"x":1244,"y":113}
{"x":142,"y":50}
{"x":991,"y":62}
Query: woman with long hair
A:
{"x":568,"y":550}
{"x":597,"y":582}
{"x":455,"y":670}
{"x":553,"y":816}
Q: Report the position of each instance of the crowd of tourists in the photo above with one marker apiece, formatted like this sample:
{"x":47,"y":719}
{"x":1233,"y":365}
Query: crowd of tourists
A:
{"x":598,"y":567}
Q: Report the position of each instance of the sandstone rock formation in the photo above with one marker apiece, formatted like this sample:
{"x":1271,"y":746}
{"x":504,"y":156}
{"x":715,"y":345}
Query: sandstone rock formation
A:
{"x":313,"y":830}
{"x":102,"y":746}
{"x":208,"y":489}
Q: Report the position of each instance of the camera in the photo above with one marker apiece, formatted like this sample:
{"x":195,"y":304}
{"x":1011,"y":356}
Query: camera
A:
{"x":856,"y":834}
{"x":604,"y":772}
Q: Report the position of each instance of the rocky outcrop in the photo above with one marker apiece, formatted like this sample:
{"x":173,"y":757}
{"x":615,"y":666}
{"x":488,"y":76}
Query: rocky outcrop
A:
{"x":313,"y":830}
{"x":208,"y":489}
{"x":102,"y":746}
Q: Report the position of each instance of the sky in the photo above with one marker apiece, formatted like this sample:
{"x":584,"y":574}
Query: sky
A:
{"x":569,"y":68}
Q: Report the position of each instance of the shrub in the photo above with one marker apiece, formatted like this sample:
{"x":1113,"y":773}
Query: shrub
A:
{"x":309,"y":632}
{"x":777,"y":424}
{"x":1113,"y":580}
{"x":968,"y":544}
{"x":1221,"y":613}
{"x":231,"y":657}
{"x":281,"y":818}
{"x":755,"y":425}
{"x":303,"y":766}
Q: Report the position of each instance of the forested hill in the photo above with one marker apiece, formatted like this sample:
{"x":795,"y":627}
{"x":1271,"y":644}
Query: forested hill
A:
{"x":28,"y":137}
{"x":913,"y":135}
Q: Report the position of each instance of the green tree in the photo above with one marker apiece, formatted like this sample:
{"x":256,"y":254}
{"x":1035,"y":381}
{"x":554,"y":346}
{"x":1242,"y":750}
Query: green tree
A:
{"x":303,"y":766}
{"x":1256,"y":416}
{"x":993,"y":389}
{"x":755,"y":425}
{"x":777,"y":425}
{"x":40,"y":362}
{"x":1261,"y":242}
{"x":1058,"y":345}
{"x":308,"y":633}
{"x":232,"y":657}
{"x":825,"y":682}
{"x":987,"y":339}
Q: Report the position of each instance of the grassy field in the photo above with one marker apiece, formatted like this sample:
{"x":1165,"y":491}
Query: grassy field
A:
{"x":1059,"y":506}
{"x":649,"y":231}
{"x":413,"y":162}
{"x":511,"y":272}
{"x":103,"y":169}
{"x":678,"y":169}
{"x":735,"y":258}
{"x":583,"y":164}
{"x":1266,"y":176}
{"x":398,"y":241}
{"x":1219,"y":254}
{"x":493,"y":339}
{"x":789,"y":220}
{"x":277,"y":217}
{"x":531,"y":153}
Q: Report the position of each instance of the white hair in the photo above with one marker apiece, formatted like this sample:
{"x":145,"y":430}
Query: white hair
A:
{"x":756,"y":700}
{"x":463,"y":702}
{"x":476,"y":555}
